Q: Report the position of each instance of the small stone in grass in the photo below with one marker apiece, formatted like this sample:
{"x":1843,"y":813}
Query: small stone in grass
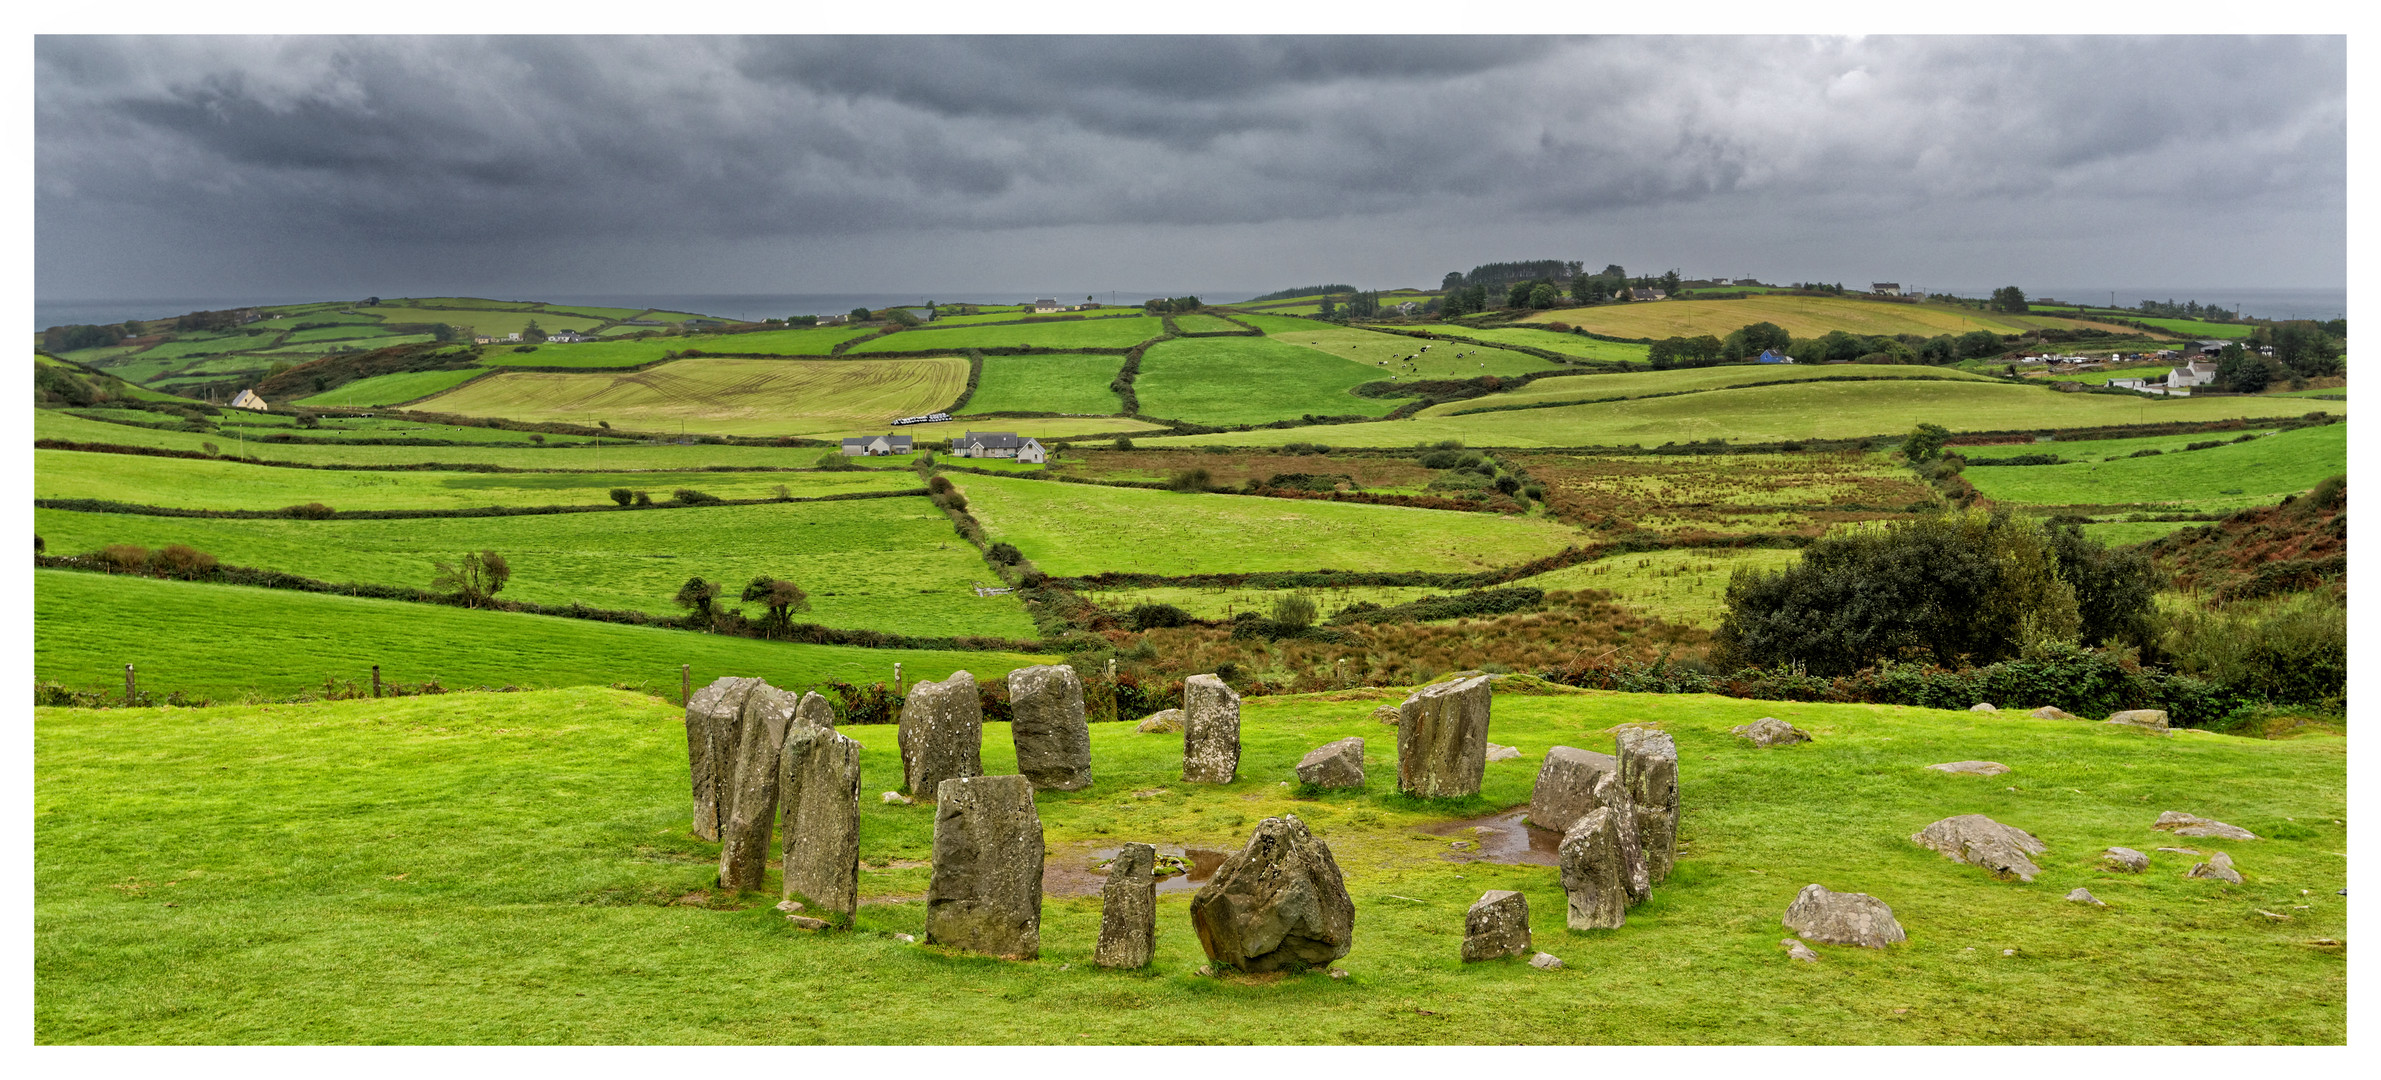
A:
{"x":1545,"y":962}
{"x":1796,"y":950}
{"x":1339,"y":973}
{"x":806,"y":922}
{"x":2084,"y":896}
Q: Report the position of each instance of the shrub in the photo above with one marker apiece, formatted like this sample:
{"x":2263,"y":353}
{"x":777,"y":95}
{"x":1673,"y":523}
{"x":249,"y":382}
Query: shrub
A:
{"x":1295,"y":611}
{"x":1121,"y":444}
{"x":124,"y":556}
{"x":1003,"y":553}
{"x":939,"y":485}
{"x":691,"y":497}
{"x":1440,"y":459}
{"x":312,"y":511}
{"x":1191,"y":479}
{"x":475,"y":579}
{"x":622,"y":496}
{"x":181,"y":560}
{"x":1156,"y":616}
{"x":644,"y":498}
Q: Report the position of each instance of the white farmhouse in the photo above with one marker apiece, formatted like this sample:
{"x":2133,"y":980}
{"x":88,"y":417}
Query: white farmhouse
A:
{"x":1000,"y":444}
{"x":247,"y":399}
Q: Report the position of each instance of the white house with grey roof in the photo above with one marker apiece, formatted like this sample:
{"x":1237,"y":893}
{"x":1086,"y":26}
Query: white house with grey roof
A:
{"x":1000,"y":444}
{"x":877,"y":446}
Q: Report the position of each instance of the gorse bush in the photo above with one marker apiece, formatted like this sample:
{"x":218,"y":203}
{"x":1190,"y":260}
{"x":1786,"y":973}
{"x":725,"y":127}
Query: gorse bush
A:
{"x":2290,"y":649}
{"x":1295,"y":610}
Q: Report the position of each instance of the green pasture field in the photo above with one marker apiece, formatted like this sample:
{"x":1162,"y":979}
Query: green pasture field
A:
{"x":1282,"y":325}
{"x":1122,"y":333}
{"x":393,"y":388}
{"x":1074,"y":529}
{"x":141,"y":368}
{"x":599,"y":354}
{"x":1243,"y":380}
{"x":1202,"y":323}
{"x":341,"y":332}
{"x":1062,"y":384}
{"x":483,"y":320}
{"x":60,"y":424}
{"x":1045,"y":428}
{"x":228,"y":641}
{"x":2101,"y":378}
{"x":97,"y":356}
{"x":1801,"y":316}
{"x":1769,"y":414}
{"x":606,"y":313}
{"x":879,"y":564}
{"x":121,"y":386}
{"x":190,"y":345}
{"x":721,"y":396}
{"x":2197,"y":328}
{"x":1386,"y":353}
{"x":2229,"y":477}
{"x":2340,"y":392}
{"x":1633,"y":384}
{"x":292,"y":322}
{"x":2122,"y":533}
{"x":227,"y":485}
{"x":240,"y":885}
{"x":472,"y":302}
{"x":2098,"y":449}
{"x":1012,"y":315}
{"x":1579,"y":345}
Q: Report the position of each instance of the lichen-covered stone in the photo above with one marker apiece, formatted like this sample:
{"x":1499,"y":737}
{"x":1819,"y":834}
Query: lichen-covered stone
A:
{"x":986,"y":892}
{"x":1649,"y":777}
{"x":1442,"y":739}
{"x":2125,"y":860}
{"x":1834,"y":918}
{"x":749,"y":809}
{"x":1770,"y":731}
{"x":1334,"y":764}
{"x":1971,"y":768}
{"x":2218,"y":866}
{"x":1983,"y":706}
{"x":1980,"y":841}
{"x":1502,"y":753}
{"x":942,"y":733}
{"x":1796,"y":950}
{"x":1048,"y":727}
{"x":2053,"y":712}
{"x":1210,"y":731}
{"x":1496,"y":926}
{"x":2084,"y":896}
{"x":819,"y":788}
{"x":2148,"y":719}
{"x":1387,"y":714}
{"x":1162,"y":722}
{"x":1594,"y":873}
{"x":814,"y":711}
{"x":1128,"y":909}
{"x":713,"y":718}
{"x":1566,"y":786}
{"x":1277,"y":904}
{"x":2182,"y":824}
{"x":1546,"y":962}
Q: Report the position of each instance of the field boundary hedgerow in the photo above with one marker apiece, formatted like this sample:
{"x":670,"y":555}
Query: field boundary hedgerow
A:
{"x":417,"y":466}
{"x":317,"y":512}
{"x":1610,"y":367}
{"x":1114,"y":581}
{"x":1520,"y":406}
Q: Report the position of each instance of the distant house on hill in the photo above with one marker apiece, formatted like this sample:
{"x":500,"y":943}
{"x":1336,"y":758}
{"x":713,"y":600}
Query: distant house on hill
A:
{"x":880,"y":446}
{"x":1772,"y":356}
{"x":247,"y":399}
{"x":483,"y":339}
{"x":2195,"y":373}
{"x":1000,"y":444}
{"x":1646,"y":294}
{"x":1046,"y":307}
{"x":1885,"y":288}
{"x":565,"y":337}
{"x":834,"y":320}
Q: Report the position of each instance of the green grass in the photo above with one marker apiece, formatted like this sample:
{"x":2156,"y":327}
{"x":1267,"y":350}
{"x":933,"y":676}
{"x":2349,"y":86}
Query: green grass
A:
{"x":393,"y":388}
{"x":1802,"y":316}
{"x":2197,"y":328}
{"x":1062,"y":384}
{"x":1395,"y":356}
{"x":2229,"y":477}
{"x":2339,"y":392}
{"x":502,"y":868}
{"x":226,"y":641}
{"x":1577,"y":388}
{"x":1120,"y":333}
{"x":720,"y":396}
{"x":599,"y":354}
{"x":190,"y":345}
{"x":482,"y":319}
{"x":1072,"y":529}
{"x":2097,"y":449}
{"x":2120,"y":533}
{"x":1578,"y":345}
{"x":1240,"y":380}
{"x":1012,"y":315}
{"x":1200,"y":323}
{"x":880,"y":564}
{"x":340,"y":332}
{"x":2101,"y":378}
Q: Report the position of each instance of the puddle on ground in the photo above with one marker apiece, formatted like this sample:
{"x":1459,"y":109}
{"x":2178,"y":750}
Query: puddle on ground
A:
{"x":1083,"y":875}
{"x":1502,"y":838}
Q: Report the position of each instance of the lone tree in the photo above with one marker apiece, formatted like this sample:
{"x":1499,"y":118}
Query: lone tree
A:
{"x":2010,"y":299}
{"x":1924,"y":442}
{"x":475,"y":579}
{"x":782,"y":598}
{"x":696,"y":597}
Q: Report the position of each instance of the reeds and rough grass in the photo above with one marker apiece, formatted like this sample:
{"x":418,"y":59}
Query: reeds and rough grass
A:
{"x":491,"y":868}
{"x":720,"y":396}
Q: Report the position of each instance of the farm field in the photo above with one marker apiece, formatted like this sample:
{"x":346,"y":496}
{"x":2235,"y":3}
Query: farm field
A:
{"x":1387,"y":353}
{"x":720,"y":396}
{"x":1241,"y":380}
{"x":483,"y":320}
{"x":1371,"y":472}
{"x":2192,"y":328}
{"x":340,"y":332}
{"x":1797,"y":493}
{"x":1635,"y":384}
{"x":268,"y":834}
{"x":1121,"y":333}
{"x":2098,"y":449}
{"x":2229,"y":477}
{"x":888,"y":564}
{"x":1579,"y":345}
{"x":226,"y":485}
{"x":2102,"y":377}
{"x":1026,"y":315}
{"x":1202,"y":323}
{"x":601,"y":354}
{"x":1074,"y":529}
{"x":391,"y":389}
{"x":1801,"y":316}
{"x":88,"y":626}
{"x":1061,"y":384}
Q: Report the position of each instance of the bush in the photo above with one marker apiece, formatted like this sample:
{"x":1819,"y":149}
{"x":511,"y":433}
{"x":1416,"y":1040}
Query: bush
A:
{"x":1003,"y":553}
{"x":181,"y":560}
{"x":2288,"y":650}
{"x":939,"y":485}
{"x":1156,"y":616}
{"x":622,"y":496}
{"x":691,"y":497}
{"x":1295,"y":611}
{"x":1440,"y":459}
{"x":312,"y":511}
{"x":1192,"y":479}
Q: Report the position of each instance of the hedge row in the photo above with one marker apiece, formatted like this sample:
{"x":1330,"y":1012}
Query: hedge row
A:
{"x":318,"y":512}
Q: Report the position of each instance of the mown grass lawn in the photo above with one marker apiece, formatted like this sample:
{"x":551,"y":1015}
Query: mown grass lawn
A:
{"x":518,"y":868}
{"x":1060,"y":384}
{"x":1243,"y":380}
{"x":2229,"y":477}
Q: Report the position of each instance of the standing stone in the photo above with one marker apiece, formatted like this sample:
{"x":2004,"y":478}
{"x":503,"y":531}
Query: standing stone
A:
{"x":1277,"y":904}
{"x":1594,"y":875}
{"x":819,"y":788}
{"x":1770,"y":731}
{"x":942,"y":733}
{"x":1649,"y":776}
{"x":1980,"y":841}
{"x":712,"y":717}
{"x":1566,"y":787}
{"x":749,"y":796}
{"x":1334,"y":764}
{"x":1210,"y":731}
{"x":1047,"y":724}
{"x":814,"y":711}
{"x":1442,"y":739}
{"x":1128,"y":909}
{"x":986,"y":893}
{"x":1497,"y":926}
{"x":1846,"y":918}
{"x":2125,"y":860}
{"x":2150,"y":719}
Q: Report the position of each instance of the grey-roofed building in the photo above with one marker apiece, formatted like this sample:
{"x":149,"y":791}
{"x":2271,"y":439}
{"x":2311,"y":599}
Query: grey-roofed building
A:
{"x":876,"y":446}
{"x":1000,"y":444}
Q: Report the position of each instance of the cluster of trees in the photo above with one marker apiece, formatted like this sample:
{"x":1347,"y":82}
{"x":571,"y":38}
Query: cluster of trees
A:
{"x":2310,"y":349}
{"x":1835,"y":289}
{"x":1501,"y":274}
{"x":2301,"y":350}
{"x":2193,"y":309}
{"x":2009,"y":299}
{"x":1355,"y":305}
{"x":1464,"y":300}
{"x":209,"y":320}
{"x":1173,"y":304}
{"x":59,"y":339}
{"x":1750,"y":341}
{"x":1744,"y":343}
{"x":779,"y":600}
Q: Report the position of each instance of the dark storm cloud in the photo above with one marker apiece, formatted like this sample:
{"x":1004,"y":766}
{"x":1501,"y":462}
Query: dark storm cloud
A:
{"x":468,"y":149}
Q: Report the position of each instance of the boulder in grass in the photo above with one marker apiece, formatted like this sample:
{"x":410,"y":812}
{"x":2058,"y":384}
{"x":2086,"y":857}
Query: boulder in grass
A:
{"x":1546,"y":962}
{"x":2084,"y":896}
{"x":1796,"y":950}
{"x":2053,"y":712}
{"x":1983,"y":706}
{"x":1770,"y":731}
{"x":1980,"y":841}
{"x":2125,"y":860}
{"x":1497,"y":926}
{"x":1502,"y":753}
{"x":2182,"y":824}
{"x":1277,"y":904}
{"x":1387,"y":714}
{"x":1334,"y":765}
{"x":1846,"y":918}
{"x":2218,"y":867}
{"x":1165,"y":722}
{"x":2146,"y":719}
{"x":1567,"y":786}
{"x":1971,"y":768}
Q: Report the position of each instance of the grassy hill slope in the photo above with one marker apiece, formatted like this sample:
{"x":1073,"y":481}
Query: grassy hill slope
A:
{"x":1802,"y":316}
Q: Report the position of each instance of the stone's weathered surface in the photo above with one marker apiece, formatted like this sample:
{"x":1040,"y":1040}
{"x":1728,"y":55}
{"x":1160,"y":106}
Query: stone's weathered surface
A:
{"x":1546,"y":962}
{"x":2153,"y":719}
{"x":713,"y":717}
{"x":2053,"y":712}
{"x":749,"y":793}
{"x":892,"y":797}
{"x":2218,"y":866}
{"x":1594,"y":873}
{"x":942,"y":734}
{"x":1388,"y":714}
{"x":2084,"y":896}
{"x":1497,"y":926}
{"x":814,"y":711}
{"x":1210,"y":731}
{"x":1982,"y":706}
{"x":1501,"y":753}
{"x":1163,"y":722}
{"x":1334,"y":764}
{"x":1846,"y":918}
{"x":1128,"y":909}
{"x":1795,"y":949}
{"x":2182,"y":824}
{"x":1277,"y":904}
{"x":819,"y":788}
{"x":1566,"y":787}
{"x":1649,"y":776}
{"x":2125,"y":859}
{"x":1047,"y":724}
{"x":986,"y":893}
{"x":1971,"y":768}
{"x":1770,"y":731}
{"x":807,"y":923}
{"x":1980,"y":841}
{"x":790,"y":907}
{"x":1442,"y":739}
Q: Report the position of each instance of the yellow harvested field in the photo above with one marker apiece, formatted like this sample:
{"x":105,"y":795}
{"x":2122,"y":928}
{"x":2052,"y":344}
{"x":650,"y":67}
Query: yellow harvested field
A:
{"x":1801,"y":316}
{"x":720,"y":396}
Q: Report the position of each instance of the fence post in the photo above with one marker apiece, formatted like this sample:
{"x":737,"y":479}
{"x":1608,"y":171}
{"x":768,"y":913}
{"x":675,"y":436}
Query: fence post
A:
{"x":685,"y":683}
{"x":376,"y":680}
{"x":897,"y":678}
{"x":131,"y":688}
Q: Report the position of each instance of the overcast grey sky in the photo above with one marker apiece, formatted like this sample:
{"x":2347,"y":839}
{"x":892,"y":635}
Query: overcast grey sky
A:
{"x":523,"y":166}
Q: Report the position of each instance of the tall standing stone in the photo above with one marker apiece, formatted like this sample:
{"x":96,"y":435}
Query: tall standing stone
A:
{"x":749,"y":796}
{"x":1649,"y":776}
{"x":1210,"y":731}
{"x":819,"y":789}
{"x":1566,"y":787}
{"x":1128,"y":909}
{"x":713,"y":715}
{"x":986,"y":893}
{"x":1277,"y":904}
{"x":942,"y":733}
{"x":1052,"y":736}
{"x":1594,"y":873}
{"x":1442,"y":739}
